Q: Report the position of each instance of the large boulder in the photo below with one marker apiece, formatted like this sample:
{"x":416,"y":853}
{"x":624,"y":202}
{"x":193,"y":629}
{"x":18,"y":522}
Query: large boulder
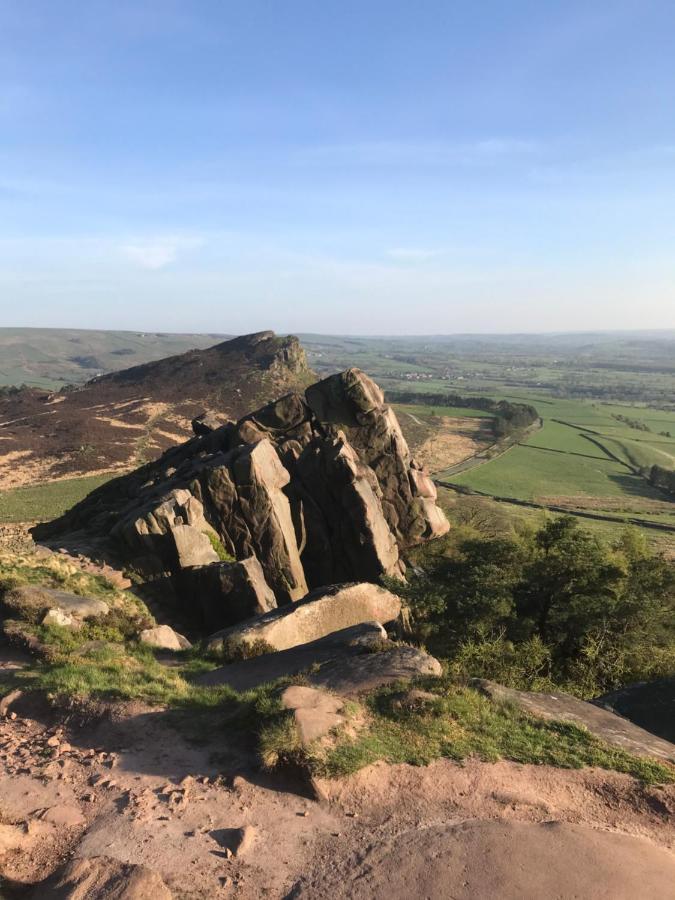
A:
{"x":320,"y":613}
{"x":163,"y":637}
{"x":351,"y":675}
{"x":227,"y":593}
{"x":246,"y":674}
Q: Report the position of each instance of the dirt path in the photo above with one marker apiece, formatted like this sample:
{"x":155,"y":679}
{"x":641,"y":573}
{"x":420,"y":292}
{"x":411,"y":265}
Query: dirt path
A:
{"x":131,"y":786}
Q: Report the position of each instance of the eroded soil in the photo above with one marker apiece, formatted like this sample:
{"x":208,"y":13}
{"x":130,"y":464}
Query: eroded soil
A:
{"x":125,"y":781}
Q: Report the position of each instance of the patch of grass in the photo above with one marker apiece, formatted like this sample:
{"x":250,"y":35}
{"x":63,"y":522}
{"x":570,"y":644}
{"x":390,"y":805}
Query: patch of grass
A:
{"x":53,"y":572}
{"x":42,"y":502}
{"x":217,"y":545}
{"x":463,"y":723}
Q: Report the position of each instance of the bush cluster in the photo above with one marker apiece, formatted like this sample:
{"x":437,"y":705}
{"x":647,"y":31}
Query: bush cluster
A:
{"x":553,"y":607}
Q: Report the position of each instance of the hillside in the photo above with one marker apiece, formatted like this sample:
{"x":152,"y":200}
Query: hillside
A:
{"x":125,"y":418}
{"x":53,"y":357}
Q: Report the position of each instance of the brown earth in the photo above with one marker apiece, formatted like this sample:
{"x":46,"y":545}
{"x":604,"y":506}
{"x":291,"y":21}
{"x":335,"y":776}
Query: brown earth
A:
{"x":442,"y":441}
{"x":121,"y":420}
{"x":129,"y":785}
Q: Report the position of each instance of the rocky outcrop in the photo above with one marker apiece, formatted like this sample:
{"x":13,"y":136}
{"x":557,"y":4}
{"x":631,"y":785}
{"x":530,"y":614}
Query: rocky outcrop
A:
{"x":222,"y":594}
{"x":318,"y":489}
{"x":321,"y":613}
{"x":347,"y":662}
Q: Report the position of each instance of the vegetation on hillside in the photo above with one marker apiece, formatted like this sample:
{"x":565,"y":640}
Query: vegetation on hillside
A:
{"x":552,"y":607}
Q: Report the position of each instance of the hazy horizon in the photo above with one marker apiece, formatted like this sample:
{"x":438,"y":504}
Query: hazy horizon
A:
{"x":373,"y":168}
{"x":608,"y":332}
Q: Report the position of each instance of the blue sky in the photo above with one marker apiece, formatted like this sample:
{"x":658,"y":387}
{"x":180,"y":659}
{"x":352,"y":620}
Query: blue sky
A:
{"x":345,"y":167}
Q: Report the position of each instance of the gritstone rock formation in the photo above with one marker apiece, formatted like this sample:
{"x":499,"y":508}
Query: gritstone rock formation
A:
{"x":307,"y":491}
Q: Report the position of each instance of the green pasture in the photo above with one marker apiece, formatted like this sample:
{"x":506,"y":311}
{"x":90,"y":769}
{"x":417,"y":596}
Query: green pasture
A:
{"x":526,"y":473}
{"x":42,"y":502}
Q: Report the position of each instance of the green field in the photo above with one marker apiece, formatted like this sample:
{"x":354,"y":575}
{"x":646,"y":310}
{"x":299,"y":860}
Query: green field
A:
{"x":592,"y":462}
{"x":529,"y":473}
{"x":40,"y":503}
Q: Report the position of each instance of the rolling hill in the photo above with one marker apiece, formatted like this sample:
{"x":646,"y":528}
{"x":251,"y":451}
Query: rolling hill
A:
{"x":125,"y":418}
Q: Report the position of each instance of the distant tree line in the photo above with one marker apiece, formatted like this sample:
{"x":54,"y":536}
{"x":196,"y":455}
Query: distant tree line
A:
{"x":636,"y":424}
{"x":509,"y":418}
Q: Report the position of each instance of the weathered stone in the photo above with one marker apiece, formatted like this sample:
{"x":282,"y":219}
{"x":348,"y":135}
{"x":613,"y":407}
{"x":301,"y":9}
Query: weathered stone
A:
{"x":250,"y":673}
{"x":352,"y":533}
{"x":226,"y":593}
{"x":204,"y":424}
{"x":193,"y":547}
{"x":320,"y":613}
{"x":260,"y":478}
{"x":61,"y":618}
{"x":7,"y":701}
{"x":64,"y":815}
{"x":33,"y":600}
{"x":319,"y":489}
{"x":103,"y":878}
{"x":316,"y":712}
{"x":163,"y":637}
{"x":651,"y":705}
{"x":606,"y":725}
{"x":353,"y":675}
{"x":353,"y":400}
{"x":237,"y":841}
{"x":479,"y":858}
{"x":348,"y":398}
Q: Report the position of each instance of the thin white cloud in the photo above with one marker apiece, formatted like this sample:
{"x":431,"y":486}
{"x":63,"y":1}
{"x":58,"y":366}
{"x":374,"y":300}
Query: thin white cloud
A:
{"x":420,"y":153}
{"x":157,"y":253}
{"x":412,"y":254}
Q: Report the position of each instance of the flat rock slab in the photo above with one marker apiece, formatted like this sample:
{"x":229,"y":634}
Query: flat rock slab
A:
{"x":509,"y":860}
{"x":249,"y":673}
{"x":40,"y":598}
{"x":367,"y":671}
{"x":608,"y":726}
{"x":320,"y":613}
{"x":316,"y":712}
{"x":102,"y":878}
{"x":345,"y":663}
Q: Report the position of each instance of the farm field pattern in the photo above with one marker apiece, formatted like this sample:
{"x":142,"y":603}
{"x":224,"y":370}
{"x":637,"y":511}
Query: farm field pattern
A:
{"x":585,"y":458}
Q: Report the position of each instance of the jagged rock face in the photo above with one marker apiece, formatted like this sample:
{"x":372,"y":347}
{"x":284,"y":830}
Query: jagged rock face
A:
{"x":317,"y":489}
